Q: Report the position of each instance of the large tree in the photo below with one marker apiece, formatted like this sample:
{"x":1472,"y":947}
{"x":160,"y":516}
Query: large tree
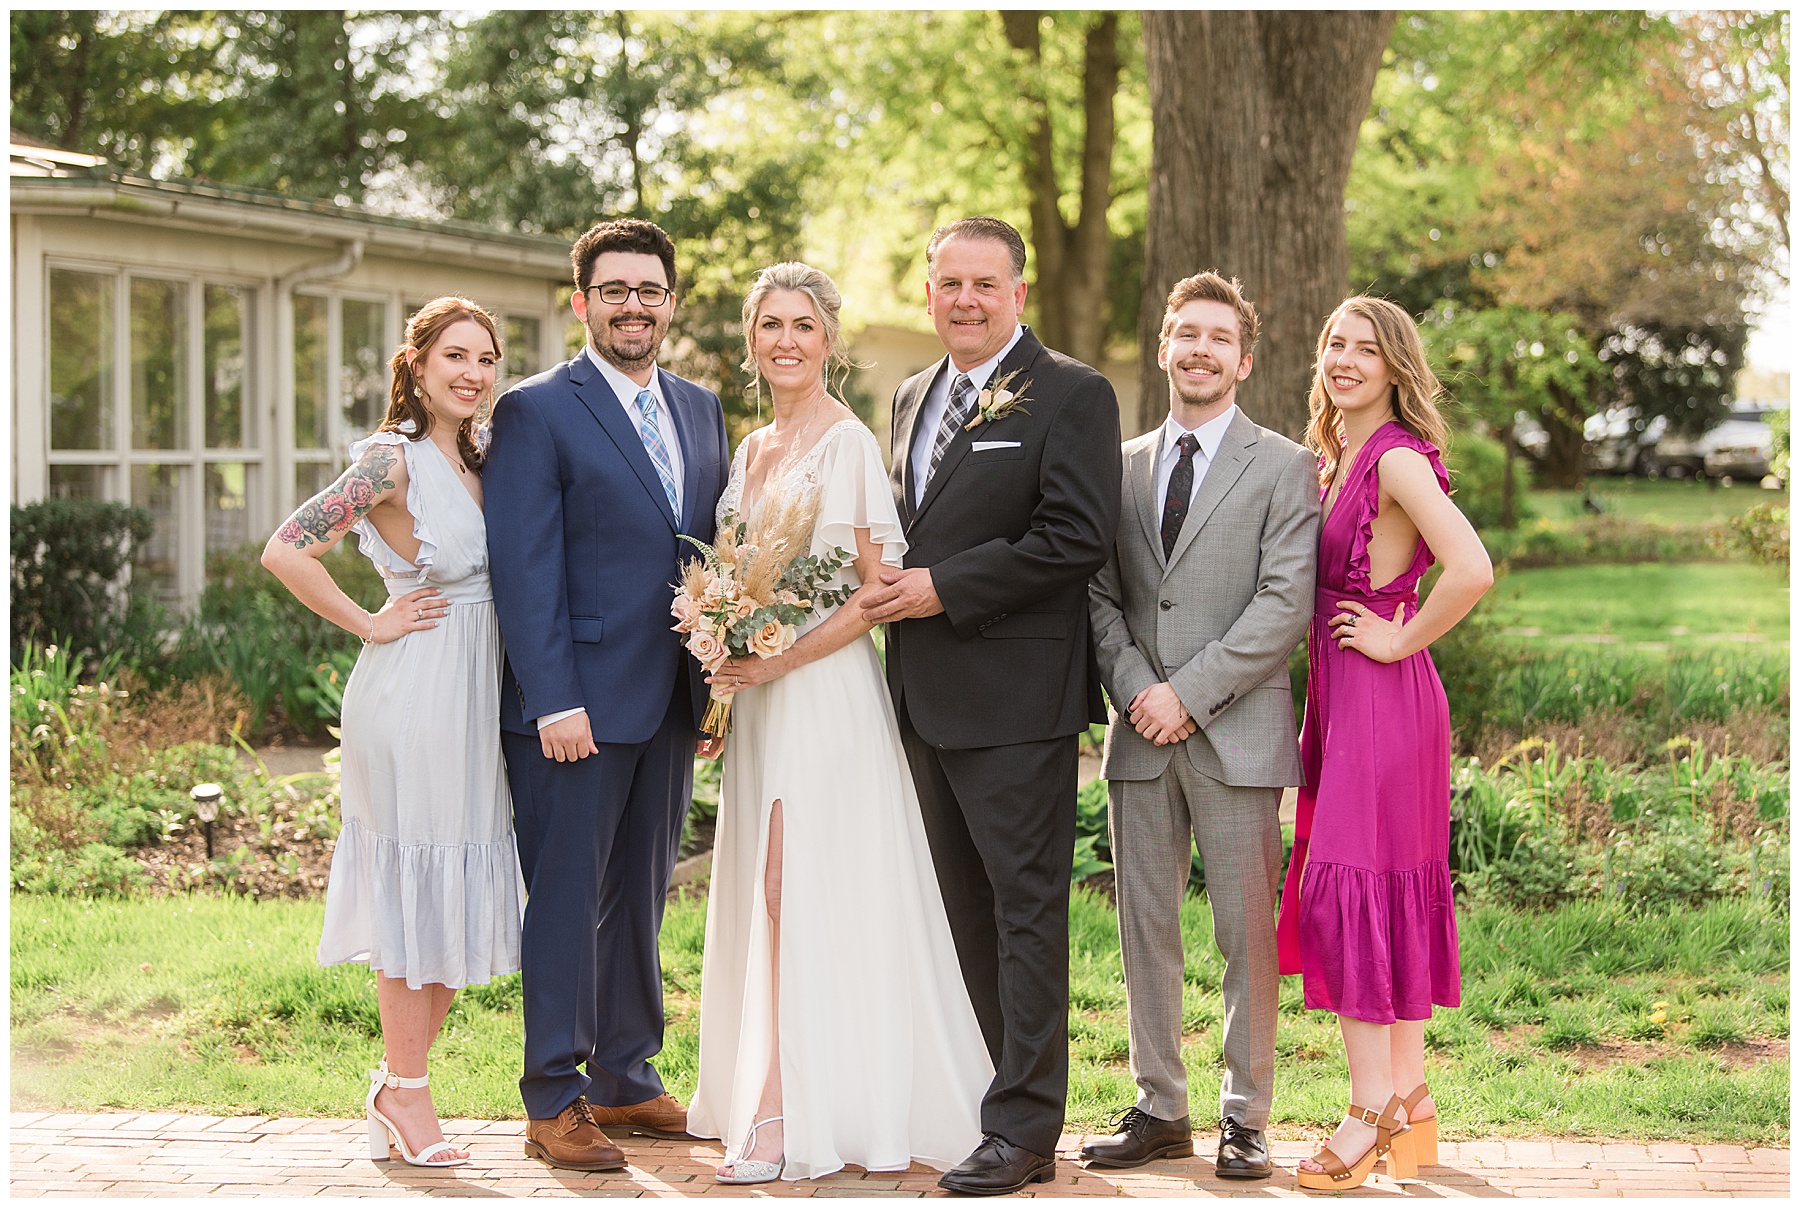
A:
{"x":1610,"y":168}
{"x":1255,"y":125}
{"x":1071,"y":254}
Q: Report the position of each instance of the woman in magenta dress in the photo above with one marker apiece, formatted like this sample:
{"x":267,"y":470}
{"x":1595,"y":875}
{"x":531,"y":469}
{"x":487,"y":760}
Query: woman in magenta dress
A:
{"x":1366,"y":915}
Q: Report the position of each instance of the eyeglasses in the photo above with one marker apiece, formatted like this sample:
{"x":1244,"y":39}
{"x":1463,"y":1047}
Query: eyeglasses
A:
{"x":614,"y":293}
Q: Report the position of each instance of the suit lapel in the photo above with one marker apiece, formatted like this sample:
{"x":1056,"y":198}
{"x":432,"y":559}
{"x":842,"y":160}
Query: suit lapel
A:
{"x":674,"y":390}
{"x":1227,"y":467}
{"x":606,"y":407}
{"x":1140,"y":472}
{"x":906,"y":415}
{"x":1020,"y":359}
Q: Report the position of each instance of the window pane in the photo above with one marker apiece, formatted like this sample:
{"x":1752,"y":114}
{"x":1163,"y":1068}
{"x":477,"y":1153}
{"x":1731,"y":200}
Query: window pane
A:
{"x":365,"y":380}
{"x":156,"y":563}
{"x":225,"y":367}
{"x":312,"y":370}
{"x":158,"y":364}
{"x":227,"y":506}
{"x":79,"y":482}
{"x":523,"y":350}
{"x":81,"y":360}
{"x":311,"y":477}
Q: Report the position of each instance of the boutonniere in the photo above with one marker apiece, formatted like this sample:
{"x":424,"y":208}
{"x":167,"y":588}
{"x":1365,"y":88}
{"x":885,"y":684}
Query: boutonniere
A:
{"x":998,"y":401}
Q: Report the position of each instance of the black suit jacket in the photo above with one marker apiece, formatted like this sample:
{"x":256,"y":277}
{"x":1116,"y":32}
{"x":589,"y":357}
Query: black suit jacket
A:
{"x":1011,"y":536}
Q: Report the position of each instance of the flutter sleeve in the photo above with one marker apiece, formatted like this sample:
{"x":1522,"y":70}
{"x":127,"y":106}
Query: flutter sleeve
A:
{"x":389,"y":563}
{"x":854,"y":494}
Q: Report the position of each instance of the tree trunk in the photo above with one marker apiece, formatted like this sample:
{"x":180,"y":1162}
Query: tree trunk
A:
{"x":1508,"y":519}
{"x":1563,"y":420}
{"x":1255,"y":118}
{"x":1071,"y":260}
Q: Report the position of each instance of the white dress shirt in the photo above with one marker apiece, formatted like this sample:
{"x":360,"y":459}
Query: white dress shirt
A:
{"x":937,"y":400}
{"x":627,"y":391}
{"x":1211,"y":435}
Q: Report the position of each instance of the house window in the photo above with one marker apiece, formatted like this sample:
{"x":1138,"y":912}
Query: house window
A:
{"x":341,"y":351}
{"x":150,"y":385}
{"x":524,"y":349}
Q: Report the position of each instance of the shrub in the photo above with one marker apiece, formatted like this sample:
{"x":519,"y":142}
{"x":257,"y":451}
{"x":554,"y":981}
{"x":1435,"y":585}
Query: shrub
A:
{"x":280,"y":654}
{"x":1593,"y":539}
{"x":1477,"y":466}
{"x":1760,"y":534}
{"x":69,"y":561}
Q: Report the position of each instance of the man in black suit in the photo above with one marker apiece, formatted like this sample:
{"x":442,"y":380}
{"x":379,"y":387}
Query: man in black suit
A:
{"x":1006,"y":473}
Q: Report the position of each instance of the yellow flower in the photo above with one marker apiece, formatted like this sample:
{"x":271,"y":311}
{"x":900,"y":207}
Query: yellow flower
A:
{"x":1659,"y":1017}
{"x":1659,"y":1006}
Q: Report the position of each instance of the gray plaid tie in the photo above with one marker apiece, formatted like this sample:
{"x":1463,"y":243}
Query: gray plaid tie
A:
{"x":956,"y":414}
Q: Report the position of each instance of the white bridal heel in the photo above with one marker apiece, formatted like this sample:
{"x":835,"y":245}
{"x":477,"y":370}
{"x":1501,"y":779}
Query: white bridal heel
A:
{"x":381,"y":1128}
{"x":751,"y":1170}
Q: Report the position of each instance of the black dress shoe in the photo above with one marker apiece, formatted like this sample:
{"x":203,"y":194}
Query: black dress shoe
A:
{"x":998,"y":1167}
{"x":1139,"y":1137}
{"x":1243,"y":1154}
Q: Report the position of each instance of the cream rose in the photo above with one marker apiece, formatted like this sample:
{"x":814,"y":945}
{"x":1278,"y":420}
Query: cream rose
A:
{"x":771,"y":639}
{"x":685,"y":609}
{"x":708,"y":649}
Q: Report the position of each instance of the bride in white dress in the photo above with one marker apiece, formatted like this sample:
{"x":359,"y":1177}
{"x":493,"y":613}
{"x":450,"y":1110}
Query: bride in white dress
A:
{"x":834,"y":1026}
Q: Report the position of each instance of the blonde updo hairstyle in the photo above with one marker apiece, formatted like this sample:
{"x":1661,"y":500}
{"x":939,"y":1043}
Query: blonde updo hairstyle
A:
{"x":1416,"y":388}
{"x":803,"y":279}
{"x":406,"y":401}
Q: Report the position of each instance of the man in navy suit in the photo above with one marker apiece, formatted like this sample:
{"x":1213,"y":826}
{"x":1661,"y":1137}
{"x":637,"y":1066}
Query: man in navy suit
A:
{"x":595,"y":469}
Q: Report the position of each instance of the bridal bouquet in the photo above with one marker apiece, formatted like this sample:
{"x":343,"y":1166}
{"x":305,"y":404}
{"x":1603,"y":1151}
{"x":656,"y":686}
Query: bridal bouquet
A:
{"x":750,"y":591}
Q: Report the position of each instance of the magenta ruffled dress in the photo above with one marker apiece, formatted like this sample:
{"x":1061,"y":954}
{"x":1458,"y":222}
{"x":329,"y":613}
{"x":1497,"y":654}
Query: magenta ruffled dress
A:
{"x":1369,"y":925}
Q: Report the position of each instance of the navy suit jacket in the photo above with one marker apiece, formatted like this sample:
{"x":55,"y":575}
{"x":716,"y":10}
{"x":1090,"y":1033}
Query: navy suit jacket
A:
{"x":584,"y":551}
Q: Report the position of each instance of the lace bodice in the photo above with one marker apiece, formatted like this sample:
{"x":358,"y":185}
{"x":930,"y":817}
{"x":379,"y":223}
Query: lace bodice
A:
{"x":845,"y":470}
{"x":802,"y":475}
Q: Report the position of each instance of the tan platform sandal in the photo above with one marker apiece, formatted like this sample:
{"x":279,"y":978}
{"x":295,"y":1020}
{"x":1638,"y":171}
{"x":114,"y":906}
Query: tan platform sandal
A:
{"x":1391,"y":1141}
{"x":1424,"y":1131}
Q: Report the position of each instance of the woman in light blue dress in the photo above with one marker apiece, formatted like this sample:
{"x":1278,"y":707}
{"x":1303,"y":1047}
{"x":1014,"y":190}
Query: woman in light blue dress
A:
{"x":424,"y":882}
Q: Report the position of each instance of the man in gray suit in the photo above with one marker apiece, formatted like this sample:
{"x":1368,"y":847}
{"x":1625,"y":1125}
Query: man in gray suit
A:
{"x":1208,"y":588}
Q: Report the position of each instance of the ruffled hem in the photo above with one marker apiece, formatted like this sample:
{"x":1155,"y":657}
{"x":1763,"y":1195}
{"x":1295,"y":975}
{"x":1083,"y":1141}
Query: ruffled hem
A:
{"x":444,"y":914}
{"x":369,"y":541}
{"x":1378,"y":946}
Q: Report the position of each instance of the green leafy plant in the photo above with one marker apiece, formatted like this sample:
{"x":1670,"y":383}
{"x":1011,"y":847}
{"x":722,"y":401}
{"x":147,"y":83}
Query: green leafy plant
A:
{"x":69,"y":562}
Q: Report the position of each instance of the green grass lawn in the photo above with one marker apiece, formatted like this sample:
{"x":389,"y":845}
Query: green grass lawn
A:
{"x":1647,"y":601}
{"x":1662,"y":500}
{"x":215,"y":1005}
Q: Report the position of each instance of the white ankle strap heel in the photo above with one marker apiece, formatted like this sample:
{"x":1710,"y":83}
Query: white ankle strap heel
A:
{"x":381,"y":1129}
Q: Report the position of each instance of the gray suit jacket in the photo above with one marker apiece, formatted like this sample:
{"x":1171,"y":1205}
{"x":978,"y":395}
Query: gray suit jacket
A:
{"x":1218,"y":618}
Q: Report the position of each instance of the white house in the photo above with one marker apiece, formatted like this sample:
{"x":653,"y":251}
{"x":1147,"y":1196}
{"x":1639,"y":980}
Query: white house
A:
{"x":209,"y":353}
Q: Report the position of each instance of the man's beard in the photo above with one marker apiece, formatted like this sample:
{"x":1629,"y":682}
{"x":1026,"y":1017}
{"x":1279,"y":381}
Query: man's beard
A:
{"x":1197,"y":397}
{"x":625,"y":360}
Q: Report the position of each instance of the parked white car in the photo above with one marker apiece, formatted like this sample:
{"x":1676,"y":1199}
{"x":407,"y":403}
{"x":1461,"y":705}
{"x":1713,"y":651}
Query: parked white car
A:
{"x":1738,"y":447}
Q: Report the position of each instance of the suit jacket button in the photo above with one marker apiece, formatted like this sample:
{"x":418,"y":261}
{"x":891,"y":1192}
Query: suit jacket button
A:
{"x":1165,"y":605}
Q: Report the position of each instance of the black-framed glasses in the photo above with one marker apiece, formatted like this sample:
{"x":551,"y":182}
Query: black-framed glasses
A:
{"x":614,"y":293}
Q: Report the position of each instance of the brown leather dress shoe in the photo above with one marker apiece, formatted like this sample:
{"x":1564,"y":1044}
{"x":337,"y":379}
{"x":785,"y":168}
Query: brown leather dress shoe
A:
{"x":572,"y":1140}
{"x":661,"y":1117}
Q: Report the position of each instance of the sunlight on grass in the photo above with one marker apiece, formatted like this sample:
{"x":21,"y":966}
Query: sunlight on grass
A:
{"x":216,"y":1005}
{"x":1646,"y":602}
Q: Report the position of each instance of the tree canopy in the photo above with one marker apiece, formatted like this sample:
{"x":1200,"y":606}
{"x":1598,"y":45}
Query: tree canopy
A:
{"x":1620,"y":176}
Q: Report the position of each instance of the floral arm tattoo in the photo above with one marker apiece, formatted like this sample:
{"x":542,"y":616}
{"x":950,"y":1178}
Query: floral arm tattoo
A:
{"x":336,"y":509}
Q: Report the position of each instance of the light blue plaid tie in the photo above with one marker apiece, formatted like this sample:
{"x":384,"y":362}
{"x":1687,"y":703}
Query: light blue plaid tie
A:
{"x":658,"y":451}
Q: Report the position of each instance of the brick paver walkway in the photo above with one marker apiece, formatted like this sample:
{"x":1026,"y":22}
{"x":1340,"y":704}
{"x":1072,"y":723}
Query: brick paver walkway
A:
{"x":165,"y":1155}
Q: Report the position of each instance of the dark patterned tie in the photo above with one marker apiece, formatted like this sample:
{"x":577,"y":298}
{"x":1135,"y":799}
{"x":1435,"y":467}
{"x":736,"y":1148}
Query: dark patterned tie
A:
{"x":956,"y":414}
{"x":1181,"y":486}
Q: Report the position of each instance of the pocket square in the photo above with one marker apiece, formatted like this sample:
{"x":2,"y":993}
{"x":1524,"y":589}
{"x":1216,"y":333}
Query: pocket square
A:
{"x":979,"y":445}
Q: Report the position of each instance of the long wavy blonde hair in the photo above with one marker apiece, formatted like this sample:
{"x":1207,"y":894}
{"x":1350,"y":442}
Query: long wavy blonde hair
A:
{"x":1416,"y":389}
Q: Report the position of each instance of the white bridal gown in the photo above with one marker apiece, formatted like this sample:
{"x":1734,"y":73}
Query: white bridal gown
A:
{"x":882,"y":1060}
{"x":425,"y":880}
